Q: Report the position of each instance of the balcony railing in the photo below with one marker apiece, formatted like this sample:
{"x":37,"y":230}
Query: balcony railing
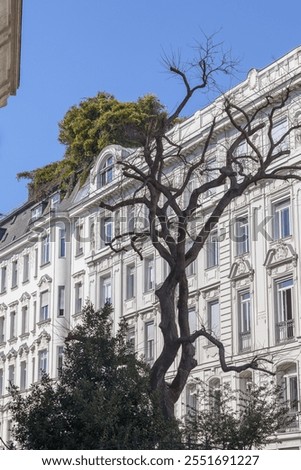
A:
{"x":284,"y":331}
{"x":245,"y":341}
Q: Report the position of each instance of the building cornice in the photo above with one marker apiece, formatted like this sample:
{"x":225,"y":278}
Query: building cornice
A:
{"x":10,"y":47}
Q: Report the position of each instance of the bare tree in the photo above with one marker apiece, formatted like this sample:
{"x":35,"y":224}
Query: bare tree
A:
{"x":172,"y":210}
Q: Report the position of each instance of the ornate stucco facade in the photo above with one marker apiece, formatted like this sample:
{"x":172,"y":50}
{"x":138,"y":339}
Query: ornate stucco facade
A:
{"x":10,"y":48}
{"x":245,"y":288}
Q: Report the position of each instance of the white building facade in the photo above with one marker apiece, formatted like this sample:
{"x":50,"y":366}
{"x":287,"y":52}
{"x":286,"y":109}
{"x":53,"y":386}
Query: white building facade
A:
{"x":245,"y":286}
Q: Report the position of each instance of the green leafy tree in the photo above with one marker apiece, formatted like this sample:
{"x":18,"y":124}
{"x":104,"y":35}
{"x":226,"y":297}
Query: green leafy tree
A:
{"x":237,"y":420}
{"x":85,"y":130}
{"x":101,"y":400}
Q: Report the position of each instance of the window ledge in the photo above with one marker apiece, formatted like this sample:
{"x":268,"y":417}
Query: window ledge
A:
{"x":12,"y":340}
{"x":44,"y":322}
{"x":24,"y":335}
{"x":42,"y":265}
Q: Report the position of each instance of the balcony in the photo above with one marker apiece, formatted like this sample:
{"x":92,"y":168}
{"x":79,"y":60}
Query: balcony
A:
{"x":285,"y":331}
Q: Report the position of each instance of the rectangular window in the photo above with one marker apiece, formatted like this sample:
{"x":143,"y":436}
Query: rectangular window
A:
{"x":12,"y":328}
{"x":130,"y":282}
{"x":278,"y":131}
{"x":149,"y":342}
{"x":106,"y":230}
{"x":190,"y":270}
{"x":2,"y":330}
{"x":3,"y":279}
{"x":14,"y":276}
{"x":45,"y":253}
{"x":78,"y":297}
{"x":212,"y":250}
{"x":44,"y":309}
{"x":36,"y":262}
{"x":34,"y":315}
{"x":214,"y":318}
{"x":62,"y":243}
{"x":79,"y":239}
{"x":282,"y":219}
{"x":25,"y":268}
{"x":1,"y":382}
{"x":36,"y":212}
{"x":33,"y":365}
{"x":130,"y":339}
{"x":24,"y":320}
{"x":61,"y":301}
{"x":131,"y":219}
{"x":149,"y":274}
{"x":11,"y":374}
{"x":244,"y":321}
{"x":60,"y":359}
{"x":23,"y":375}
{"x":242,"y":235}
{"x":43,"y":363}
{"x":284,"y":310}
{"x":192,"y":320}
{"x":105,"y":291}
{"x":289,"y":386}
{"x":211,"y":173}
{"x":191,"y":401}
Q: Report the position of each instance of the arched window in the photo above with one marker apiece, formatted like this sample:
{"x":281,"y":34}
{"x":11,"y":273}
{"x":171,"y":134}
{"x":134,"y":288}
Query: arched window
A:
{"x":105,"y":175}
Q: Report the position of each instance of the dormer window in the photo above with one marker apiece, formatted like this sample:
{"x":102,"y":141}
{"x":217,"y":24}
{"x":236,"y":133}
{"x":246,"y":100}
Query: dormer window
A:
{"x":106,"y":172}
{"x":55,"y":200}
{"x":36,"y":212}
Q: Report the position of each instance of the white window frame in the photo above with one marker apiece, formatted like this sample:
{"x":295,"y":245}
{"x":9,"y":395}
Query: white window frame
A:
{"x":213,"y":309}
{"x":2,"y":329}
{"x":78,"y":297}
{"x":244,"y":320}
{"x":279,"y":128}
{"x":3,"y":279}
{"x":130,"y":281}
{"x":26,"y":267}
{"x":11,"y":374}
{"x":212,"y":250}
{"x":12,"y":324}
{"x":43,"y":363}
{"x":79,"y":236}
{"x":45,"y":249}
{"x":105,"y":290}
{"x":23,"y":375}
{"x":61,"y":301}
{"x":62,"y":243}
{"x":284,"y":306}
{"x":149,"y":328}
{"x":106,"y":172}
{"x":44,"y":305}
{"x":149,"y":273}
{"x":242,"y":235}
{"x":282,"y":219}
{"x":14,"y":281}
{"x":24,"y":319}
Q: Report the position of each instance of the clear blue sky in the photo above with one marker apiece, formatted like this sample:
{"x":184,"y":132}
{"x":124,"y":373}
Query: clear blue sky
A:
{"x":71,"y":49}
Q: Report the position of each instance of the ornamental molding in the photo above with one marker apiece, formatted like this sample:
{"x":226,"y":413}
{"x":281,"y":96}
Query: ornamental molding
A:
{"x":24,"y":297}
{"x":23,"y":349}
{"x":241,"y":269}
{"x":12,"y":354}
{"x":43,"y":336}
{"x":79,"y":274}
{"x":45,"y":279}
{"x":282,"y":253}
{"x":3,"y":307}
